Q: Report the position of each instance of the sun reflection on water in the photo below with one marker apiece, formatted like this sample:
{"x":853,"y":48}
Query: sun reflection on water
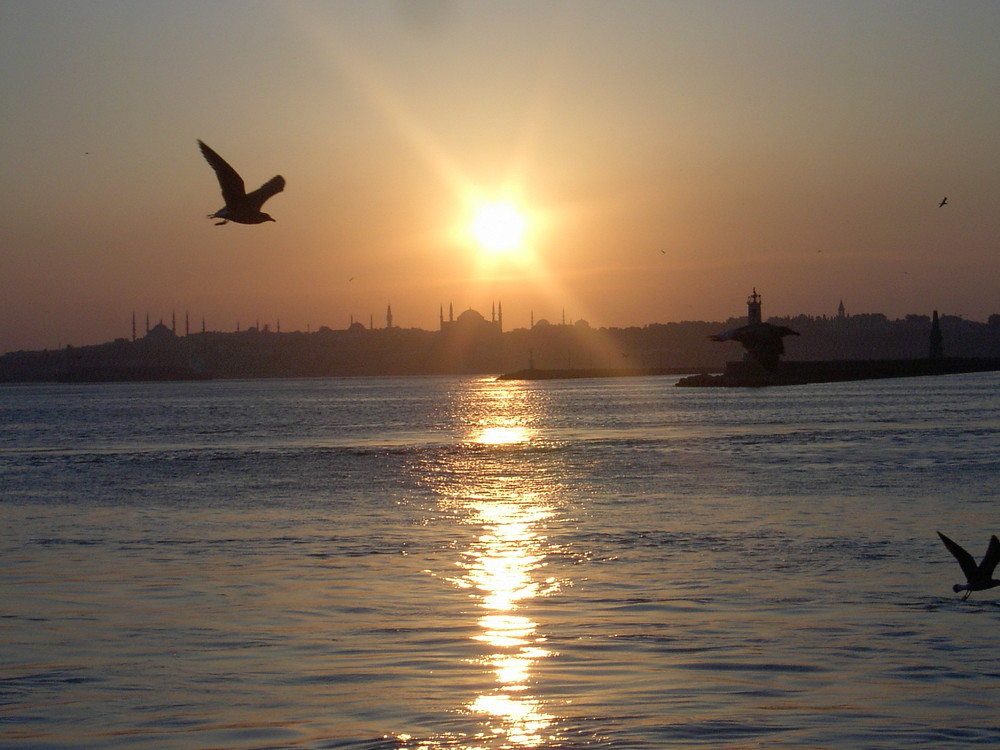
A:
{"x":504,"y":435}
{"x":504,"y":568}
{"x":495,"y":486}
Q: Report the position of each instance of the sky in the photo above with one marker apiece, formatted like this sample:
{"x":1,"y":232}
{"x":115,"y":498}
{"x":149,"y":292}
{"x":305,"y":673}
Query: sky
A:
{"x":665,"y":158}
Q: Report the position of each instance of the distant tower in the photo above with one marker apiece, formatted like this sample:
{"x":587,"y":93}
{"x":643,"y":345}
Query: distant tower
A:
{"x":532,"y":318}
{"x":278,"y":325}
{"x":133,"y":325}
{"x":493,"y":314}
{"x":753,"y":308}
{"x":841,"y":312}
{"x":187,"y":324}
{"x":173,"y":322}
{"x":500,"y":317}
{"x":388,"y":316}
{"x":937,"y":341}
{"x":147,"y":324}
{"x":442,"y":317}
{"x":203,"y":324}
{"x":451,"y":313}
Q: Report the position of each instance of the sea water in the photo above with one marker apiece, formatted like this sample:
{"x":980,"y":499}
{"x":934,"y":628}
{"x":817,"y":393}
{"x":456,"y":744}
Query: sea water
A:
{"x":465,"y":563}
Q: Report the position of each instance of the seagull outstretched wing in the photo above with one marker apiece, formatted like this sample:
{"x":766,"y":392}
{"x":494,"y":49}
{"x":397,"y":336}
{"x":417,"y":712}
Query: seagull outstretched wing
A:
{"x":271,"y":187}
{"x":989,"y":563}
{"x":233,"y":189}
{"x":965,"y":560}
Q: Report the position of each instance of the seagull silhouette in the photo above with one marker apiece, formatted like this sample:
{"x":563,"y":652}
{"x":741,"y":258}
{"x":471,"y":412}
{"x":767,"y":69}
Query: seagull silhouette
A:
{"x":978,"y":577}
{"x":943,"y":201}
{"x":763,"y":341}
{"x":241,"y":206}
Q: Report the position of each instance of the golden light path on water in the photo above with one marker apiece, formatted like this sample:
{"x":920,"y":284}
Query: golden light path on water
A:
{"x":491,"y":486}
{"x":503,"y":568}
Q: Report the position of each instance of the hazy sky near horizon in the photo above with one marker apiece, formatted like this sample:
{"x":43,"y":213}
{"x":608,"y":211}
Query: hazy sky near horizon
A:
{"x":668,"y":157}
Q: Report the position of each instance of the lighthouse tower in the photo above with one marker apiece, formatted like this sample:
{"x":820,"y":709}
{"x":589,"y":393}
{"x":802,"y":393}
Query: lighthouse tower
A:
{"x":753,"y":309}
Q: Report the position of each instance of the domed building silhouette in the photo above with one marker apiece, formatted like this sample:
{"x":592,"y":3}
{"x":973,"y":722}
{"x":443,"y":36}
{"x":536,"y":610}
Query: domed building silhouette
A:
{"x":470,"y":343}
{"x":472,"y":319}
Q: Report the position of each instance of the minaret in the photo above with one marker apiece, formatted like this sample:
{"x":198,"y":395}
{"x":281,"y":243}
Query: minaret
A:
{"x":841,"y":311}
{"x":388,"y":316}
{"x":441,"y":314}
{"x":147,"y":324}
{"x":753,"y":308}
{"x":187,"y":324}
{"x":451,"y":312}
{"x":500,"y":317}
{"x":133,"y":326}
{"x":173,"y":322}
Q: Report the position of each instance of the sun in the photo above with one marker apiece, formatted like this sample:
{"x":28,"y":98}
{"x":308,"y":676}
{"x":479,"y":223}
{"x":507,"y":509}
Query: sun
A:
{"x":498,"y":227}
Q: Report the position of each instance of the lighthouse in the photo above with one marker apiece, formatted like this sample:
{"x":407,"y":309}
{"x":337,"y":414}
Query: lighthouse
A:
{"x":753,"y":308}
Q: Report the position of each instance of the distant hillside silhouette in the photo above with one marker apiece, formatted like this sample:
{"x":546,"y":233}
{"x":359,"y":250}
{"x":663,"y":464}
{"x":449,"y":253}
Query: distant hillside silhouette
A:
{"x":470,"y":344}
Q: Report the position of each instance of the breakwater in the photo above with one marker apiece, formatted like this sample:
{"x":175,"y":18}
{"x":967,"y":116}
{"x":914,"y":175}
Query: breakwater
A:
{"x":750,"y":374}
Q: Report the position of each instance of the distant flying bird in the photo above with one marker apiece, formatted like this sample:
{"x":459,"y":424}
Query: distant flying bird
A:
{"x":763,"y":341}
{"x":241,"y":206}
{"x":943,"y":202}
{"x":978,"y":577}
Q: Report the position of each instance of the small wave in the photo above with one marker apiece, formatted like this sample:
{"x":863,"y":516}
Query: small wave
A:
{"x":741,"y":666}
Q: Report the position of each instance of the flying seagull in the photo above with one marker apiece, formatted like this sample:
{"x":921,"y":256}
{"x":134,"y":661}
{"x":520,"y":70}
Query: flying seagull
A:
{"x":763,"y":341}
{"x":978,"y":577}
{"x":241,"y":206}
{"x":943,"y":202}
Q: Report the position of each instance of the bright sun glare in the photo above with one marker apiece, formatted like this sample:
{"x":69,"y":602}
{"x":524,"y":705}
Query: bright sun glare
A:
{"x":498,"y":227}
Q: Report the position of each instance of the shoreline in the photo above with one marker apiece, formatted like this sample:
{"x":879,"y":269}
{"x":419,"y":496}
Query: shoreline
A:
{"x":751,"y":375}
{"x":534,"y":373}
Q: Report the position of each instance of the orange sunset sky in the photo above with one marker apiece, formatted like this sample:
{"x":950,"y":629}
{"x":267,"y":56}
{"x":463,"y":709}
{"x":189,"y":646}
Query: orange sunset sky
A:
{"x":663,"y":158}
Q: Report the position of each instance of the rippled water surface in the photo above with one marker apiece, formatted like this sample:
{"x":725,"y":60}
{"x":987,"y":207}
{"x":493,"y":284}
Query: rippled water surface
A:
{"x":464,"y":563}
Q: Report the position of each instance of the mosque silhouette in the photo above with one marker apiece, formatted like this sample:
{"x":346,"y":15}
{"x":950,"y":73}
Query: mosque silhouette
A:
{"x":838,"y":347}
